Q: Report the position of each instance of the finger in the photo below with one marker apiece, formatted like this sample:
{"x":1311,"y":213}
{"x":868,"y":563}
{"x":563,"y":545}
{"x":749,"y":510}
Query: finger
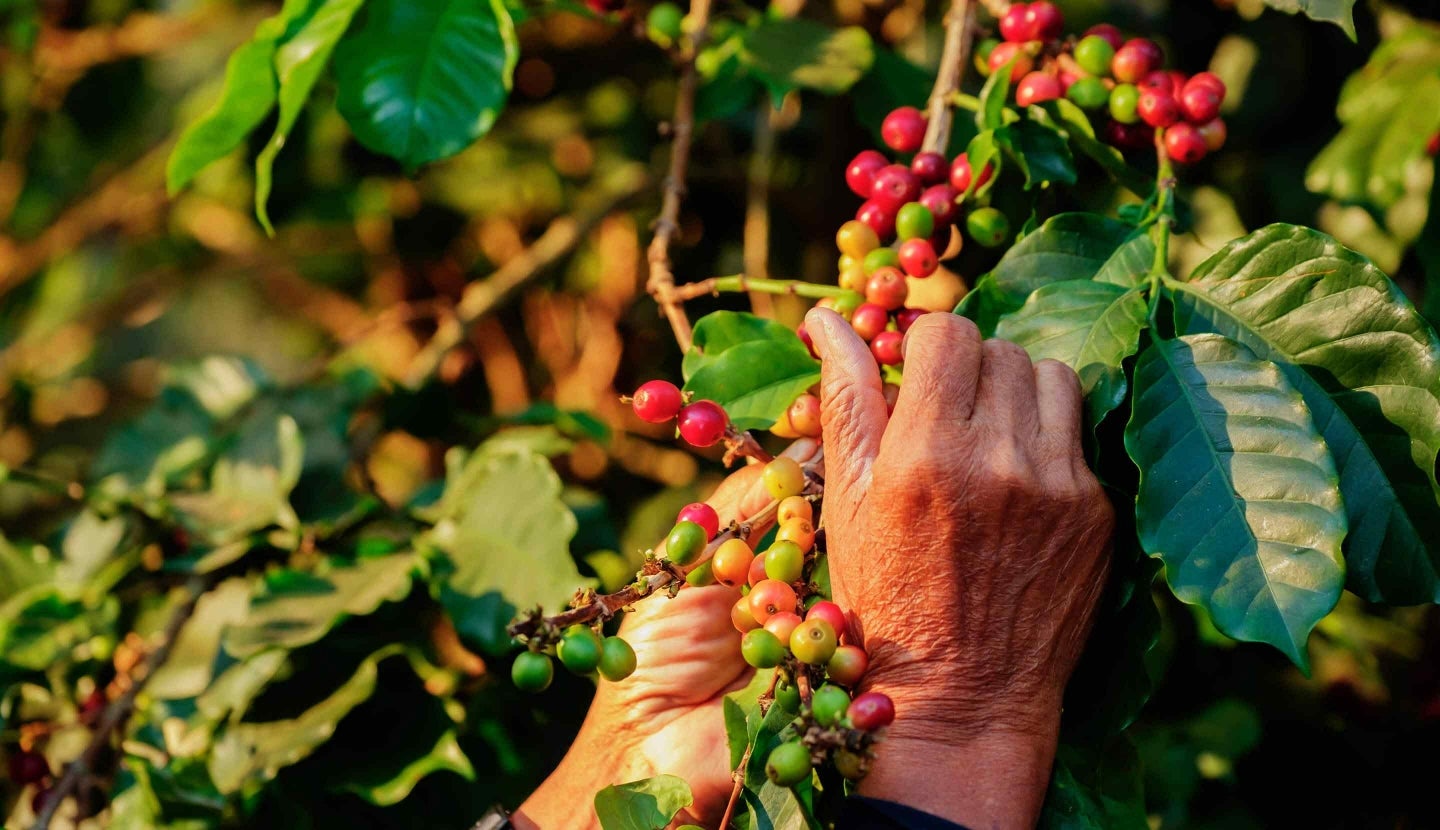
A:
{"x":852,"y":405}
{"x":1057,"y":391}
{"x":942,"y":368}
{"x":1006,"y":395}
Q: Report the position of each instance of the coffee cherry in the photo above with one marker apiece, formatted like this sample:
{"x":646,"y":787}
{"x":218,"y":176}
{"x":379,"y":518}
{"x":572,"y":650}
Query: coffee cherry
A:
{"x":961,"y":174}
{"x":1136,"y":59}
{"x":1046,"y":21}
{"x":731,"y":562}
{"x":880,"y":218}
{"x":1036,"y":87}
{"x":895,"y":186}
{"x":860,"y":173}
{"x":795,"y":507}
{"x":617,"y":659}
{"x":930,"y":168}
{"x":782,"y":625}
{"x":788,"y":764}
{"x":783,"y":477}
{"x":28,"y":767}
{"x":887,"y":289}
{"x":663,"y":23}
{"x":703,"y":423}
{"x":856,"y":239}
{"x":604,"y":7}
{"x":701,"y":575}
{"x":852,"y":766}
{"x":828,"y":705}
{"x":799,"y":531}
{"x":41,"y":799}
{"x":805,"y":338}
{"x":1015,"y":25}
{"x":830,"y":613}
{"x":701,"y":514}
{"x":940,"y":201}
{"x":1124,"y":101}
{"x":914,"y":221}
{"x":1200,"y":102}
{"x":881,"y":258}
{"x":740,"y":616}
{"x":770,"y":597}
{"x":1014,"y":54}
{"x":847,"y":665}
{"x":1158,"y":80}
{"x":872,"y":711}
{"x":532,"y":671}
{"x":906,"y":317}
{"x":762,"y":649}
{"x":1094,"y":54}
{"x":1213,"y":133}
{"x":787,"y":696}
{"x":813,"y":641}
{"x":987,"y":226}
{"x":917,"y":258}
{"x":756,"y":574}
{"x":886,"y":348}
{"x":1088,"y":93}
{"x":1110,"y":33}
{"x":903,"y":130}
{"x":1128,"y":136}
{"x":1184,"y":144}
{"x":804,"y":411}
{"x":853,"y":277}
{"x":1208,"y":79}
{"x":657,"y":401}
{"x":869,"y":320}
{"x":579,"y":649}
{"x":1158,"y":108}
{"x":784,"y":562}
{"x":685,"y":542}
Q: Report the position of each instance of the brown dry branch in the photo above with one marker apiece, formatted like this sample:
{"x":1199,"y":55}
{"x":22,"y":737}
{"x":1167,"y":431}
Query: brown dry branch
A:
{"x":959,"y":34}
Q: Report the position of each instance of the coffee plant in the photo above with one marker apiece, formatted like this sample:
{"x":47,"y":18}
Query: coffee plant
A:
{"x":295,"y":582}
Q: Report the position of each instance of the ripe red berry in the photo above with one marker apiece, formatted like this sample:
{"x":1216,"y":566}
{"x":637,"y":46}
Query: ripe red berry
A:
{"x":1209,"y":79}
{"x":757,"y":572}
{"x":1432,"y":146}
{"x":770,"y":597}
{"x":886,"y":288}
{"x":1036,"y":87}
{"x":28,"y":767}
{"x":657,"y":401}
{"x":871,"y":710}
{"x":1200,"y":102}
{"x":860,"y":173}
{"x":1128,"y":136}
{"x":880,"y":218}
{"x":605,"y":6}
{"x":961,"y":174}
{"x":1214,"y":133}
{"x":1136,"y":59}
{"x":886,"y":347}
{"x":1046,"y":21}
{"x":703,"y":423}
{"x":1159,"y":79}
{"x":869,"y":320}
{"x":701,"y":514}
{"x":1158,"y":108}
{"x":1184,"y":144}
{"x":903,"y":130}
{"x":917,"y":258}
{"x":894,"y":187}
{"x":1108,"y":31}
{"x":782,"y":625}
{"x":1015,"y":24}
{"x":805,"y":338}
{"x":906,"y":317}
{"x":804,"y":413}
{"x":940,"y":201}
{"x":829,"y":612}
{"x":1007,"y":52}
{"x":930,"y":168}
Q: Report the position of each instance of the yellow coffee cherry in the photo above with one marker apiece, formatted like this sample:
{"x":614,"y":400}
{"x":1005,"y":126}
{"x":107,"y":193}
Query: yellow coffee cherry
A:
{"x":795,"y":507}
{"x":783,"y":478}
{"x":799,"y":531}
{"x":855,"y":238}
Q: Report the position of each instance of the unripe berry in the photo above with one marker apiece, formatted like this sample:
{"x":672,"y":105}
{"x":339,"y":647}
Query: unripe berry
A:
{"x":701,"y":514}
{"x":961,"y":173}
{"x":664,"y":23}
{"x":1046,"y":21}
{"x":1158,"y":108}
{"x":731,"y":562}
{"x":886,"y":288}
{"x":1036,"y":87}
{"x":783,"y":477}
{"x":788,"y":764}
{"x":830,"y":613}
{"x":770,"y":597}
{"x":795,"y":507}
{"x":881,"y":258}
{"x":917,"y":258}
{"x":886,"y":348}
{"x":579,"y":649}
{"x":1109,"y":32}
{"x":871,"y":711}
{"x":828,"y":705}
{"x":701,"y":575}
{"x":856,"y":239}
{"x":914,"y":221}
{"x":813,"y":641}
{"x":903,"y":130}
{"x":782,"y":625}
{"x":869,"y":320}
{"x":1088,"y":93}
{"x":1184,"y":144}
{"x":895,"y":186}
{"x":929,"y":168}
{"x":1136,"y":59}
{"x":787,"y":696}
{"x":1014,"y":54}
{"x":762,"y":649}
{"x":1015,"y":25}
{"x":853,"y":278}
{"x":906,"y":317}
{"x":532,"y":672}
{"x":940,"y":201}
{"x":740,"y":616}
{"x":1094,"y":54}
{"x":799,"y":531}
{"x":685,"y":542}
{"x":702,"y":423}
{"x":28,"y":767}
{"x":784,"y":562}
{"x":880,"y":218}
{"x":847,"y":665}
{"x":617,"y":659}
{"x":756,"y":575}
{"x":804,"y":411}
{"x":852,"y":766}
{"x":987,"y":226}
{"x":657,"y":401}
{"x":1124,"y":101}
{"x":860,"y":173}
{"x":1200,"y":102}
{"x":1214,"y":132}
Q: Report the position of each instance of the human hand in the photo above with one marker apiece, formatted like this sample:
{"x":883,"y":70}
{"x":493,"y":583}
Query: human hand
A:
{"x":969,"y":541}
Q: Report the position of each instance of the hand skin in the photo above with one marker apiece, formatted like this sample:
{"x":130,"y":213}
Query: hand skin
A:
{"x":667,"y":716}
{"x":969,"y":543}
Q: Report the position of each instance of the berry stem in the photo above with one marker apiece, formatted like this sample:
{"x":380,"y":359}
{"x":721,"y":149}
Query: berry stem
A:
{"x":1164,"y":219}
{"x":959,"y":33}
{"x":739,"y":283}
{"x":741,"y":444}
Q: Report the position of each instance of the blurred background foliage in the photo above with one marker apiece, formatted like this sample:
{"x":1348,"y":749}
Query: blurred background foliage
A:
{"x":357,"y":328}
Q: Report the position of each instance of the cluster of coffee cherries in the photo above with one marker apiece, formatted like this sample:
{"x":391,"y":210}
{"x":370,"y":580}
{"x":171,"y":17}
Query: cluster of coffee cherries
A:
{"x":1121,"y":80}
{"x":700,"y":423}
{"x":581,"y":649}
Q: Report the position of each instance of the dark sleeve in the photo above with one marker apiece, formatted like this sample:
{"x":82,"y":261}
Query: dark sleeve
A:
{"x":874,"y":814}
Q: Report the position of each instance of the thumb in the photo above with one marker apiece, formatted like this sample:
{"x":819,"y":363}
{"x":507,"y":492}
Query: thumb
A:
{"x":852,"y":401}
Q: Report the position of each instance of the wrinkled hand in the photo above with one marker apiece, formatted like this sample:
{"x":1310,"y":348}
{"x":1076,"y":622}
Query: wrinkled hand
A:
{"x":969,"y":540}
{"x":667,"y":716}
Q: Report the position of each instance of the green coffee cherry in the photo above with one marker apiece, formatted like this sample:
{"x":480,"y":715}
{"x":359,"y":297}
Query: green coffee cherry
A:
{"x":617,"y":659}
{"x":579,"y":649}
{"x":829,"y":704}
{"x":685,"y":542}
{"x":788,"y":764}
{"x":532,"y":672}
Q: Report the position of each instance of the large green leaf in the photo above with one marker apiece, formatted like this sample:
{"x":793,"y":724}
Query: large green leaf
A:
{"x":1095,"y":788}
{"x":1369,"y":369}
{"x":1238,"y":494}
{"x":1339,"y":12}
{"x":1040,"y":152}
{"x":250,"y":484}
{"x":188,"y":670}
{"x":1090,"y":326}
{"x":420,"y":81}
{"x":298,"y":65}
{"x":647,"y":804}
{"x":1130,"y":264}
{"x":1071,"y":246}
{"x":45,"y":627}
{"x":721,"y":330}
{"x":796,"y":53}
{"x":986,"y":305}
{"x":756,"y":381}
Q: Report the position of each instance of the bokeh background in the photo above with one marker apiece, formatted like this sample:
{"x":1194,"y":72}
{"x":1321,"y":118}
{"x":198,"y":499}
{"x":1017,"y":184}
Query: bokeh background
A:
{"x":107,"y":283}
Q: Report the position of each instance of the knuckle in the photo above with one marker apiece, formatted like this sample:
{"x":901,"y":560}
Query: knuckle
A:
{"x":1052,"y":371}
{"x":1005,"y":351}
{"x":945,"y":330}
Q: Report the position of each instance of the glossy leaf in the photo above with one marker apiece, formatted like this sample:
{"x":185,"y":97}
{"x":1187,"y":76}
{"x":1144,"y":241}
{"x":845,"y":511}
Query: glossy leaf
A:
{"x":648,"y":804}
{"x":1040,"y":153}
{"x":991,"y":115}
{"x":756,"y":381}
{"x":721,"y":330}
{"x":1071,"y":246}
{"x":1369,"y":369}
{"x":1130,"y":264}
{"x":1072,"y":122}
{"x":189,"y":670}
{"x":985,"y":304}
{"x":422,"y":81}
{"x":796,"y":53}
{"x":1238,"y":494}
{"x":1339,"y":12}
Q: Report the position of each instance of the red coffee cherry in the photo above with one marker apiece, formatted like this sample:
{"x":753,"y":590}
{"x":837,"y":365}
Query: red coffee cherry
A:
{"x":860,"y":173}
{"x":703,"y":423}
{"x":961,"y":174}
{"x":804,"y":413}
{"x":906,"y":317}
{"x":770,"y":597}
{"x":1184,"y":144}
{"x":880,"y":218}
{"x":917,"y":258}
{"x":872,"y":710}
{"x":701,"y":514}
{"x":1200,"y":102}
{"x":903,"y":130}
{"x":940,"y":201}
{"x":1158,"y":108}
{"x":28,"y":767}
{"x":1036,"y":87}
{"x":886,"y":347}
{"x":1209,"y":79}
{"x":829,"y":612}
{"x":782,"y":625}
{"x":1108,"y":31}
{"x":894,"y":187}
{"x":1136,"y":59}
{"x":1007,"y":52}
{"x":1214,"y":133}
{"x":886,"y":288}
{"x":930,"y":168}
{"x":757,"y":572}
{"x":1016,"y":25}
{"x":869,"y":320}
{"x":657,"y":401}
{"x":740,"y":616}
{"x":1046,"y":21}
{"x":847,"y":665}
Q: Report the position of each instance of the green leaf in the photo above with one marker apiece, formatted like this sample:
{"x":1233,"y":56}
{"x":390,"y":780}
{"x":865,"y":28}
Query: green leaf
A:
{"x":991,"y":115}
{"x":90,"y":543}
{"x":1238,"y":494}
{"x":383,"y":769}
{"x":1070,"y":246}
{"x":1369,"y":369}
{"x":1130,"y":264}
{"x":250,"y":485}
{"x":1339,"y":12}
{"x":647,"y":804}
{"x":721,"y":330}
{"x":986,"y":305}
{"x":1095,"y":788}
{"x":1071,"y":121}
{"x":1089,"y":326}
{"x":983,"y":151}
{"x":1040,"y":153}
{"x":780,"y":808}
{"x":796,"y":53}
{"x":298,"y":64}
{"x":756,"y":381}
{"x":422,"y":81}
{"x":1427,"y":250}
{"x":188,"y":670}
{"x":232,"y":691}
{"x":44,"y":627}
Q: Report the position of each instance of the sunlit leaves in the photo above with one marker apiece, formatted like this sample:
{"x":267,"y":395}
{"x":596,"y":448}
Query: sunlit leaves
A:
{"x":647,"y":804}
{"x":1070,"y":246}
{"x":1339,"y":12}
{"x":752,"y":367}
{"x":795,"y":53}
